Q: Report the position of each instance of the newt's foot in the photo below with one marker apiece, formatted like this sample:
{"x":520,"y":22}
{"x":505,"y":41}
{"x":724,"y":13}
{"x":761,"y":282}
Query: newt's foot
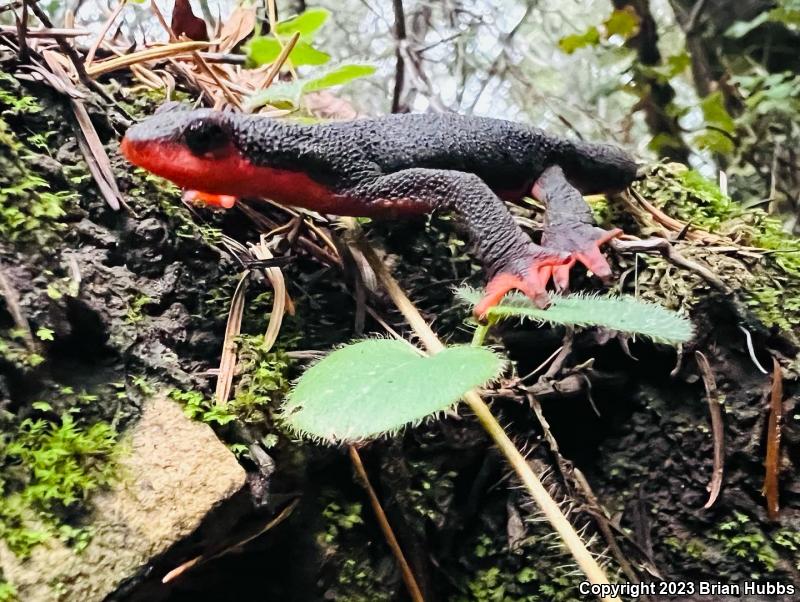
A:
{"x":529,"y":275}
{"x":583,"y":243}
{"x":222,"y":201}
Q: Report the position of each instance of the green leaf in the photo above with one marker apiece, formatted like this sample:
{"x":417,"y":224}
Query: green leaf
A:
{"x":623,"y":23}
{"x":42,"y":406}
{"x":287,"y":94}
{"x":375,"y":387}
{"x":741,"y":28}
{"x":624,"y":314}
{"x":45,"y":334}
{"x":716,"y":114}
{"x":788,"y":14}
{"x":263,"y":50}
{"x":337,"y":77}
{"x":304,"y":53}
{"x":569,"y":44}
{"x":714,"y":141}
{"x":307,"y":23}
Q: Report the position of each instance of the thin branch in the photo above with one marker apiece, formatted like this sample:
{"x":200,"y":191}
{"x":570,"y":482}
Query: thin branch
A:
{"x":386,"y":528}
{"x":400,"y":63}
{"x":694,"y":17}
{"x":492,"y":70}
{"x":661,"y":246}
{"x":714,"y":406}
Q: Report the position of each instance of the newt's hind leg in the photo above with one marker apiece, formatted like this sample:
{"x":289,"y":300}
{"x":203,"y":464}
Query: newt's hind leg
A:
{"x":569,"y":227}
{"x":510,"y":258}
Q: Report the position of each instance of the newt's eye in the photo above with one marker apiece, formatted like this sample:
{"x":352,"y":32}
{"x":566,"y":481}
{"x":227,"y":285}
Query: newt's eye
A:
{"x":204,"y":137}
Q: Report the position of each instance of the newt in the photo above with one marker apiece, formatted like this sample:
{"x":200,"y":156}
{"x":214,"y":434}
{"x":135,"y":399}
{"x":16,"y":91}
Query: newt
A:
{"x":398,"y":165}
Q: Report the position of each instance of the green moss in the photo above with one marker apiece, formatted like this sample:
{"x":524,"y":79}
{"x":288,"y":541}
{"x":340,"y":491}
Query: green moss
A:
{"x":14,"y":350}
{"x":430,"y":492}
{"x":263,"y":381}
{"x":150,"y":192}
{"x":197,"y":407}
{"x":12,"y":99}
{"x":537,"y":569}
{"x":767,"y":270}
{"x":48,"y":469}
{"x":28,"y":206}
{"x":745,"y":543}
{"x":8,"y":593}
{"x":692,"y":548}
{"x":341,"y":540}
{"x":789,"y":541}
{"x":135,"y":308}
{"x":340,"y":517}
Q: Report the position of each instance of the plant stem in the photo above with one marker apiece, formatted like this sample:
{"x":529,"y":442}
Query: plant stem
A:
{"x":388,"y":533}
{"x":480,"y":334}
{"x":533,"y":485}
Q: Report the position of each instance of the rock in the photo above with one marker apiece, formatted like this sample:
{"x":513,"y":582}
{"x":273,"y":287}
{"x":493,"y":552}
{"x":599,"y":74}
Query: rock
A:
{"x":173,"y":473}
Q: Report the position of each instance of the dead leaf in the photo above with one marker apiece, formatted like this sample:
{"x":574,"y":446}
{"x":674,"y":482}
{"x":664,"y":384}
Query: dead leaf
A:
{"x":239,"y":25}
{"x":228,"y":357}
{"x":185,"y":23}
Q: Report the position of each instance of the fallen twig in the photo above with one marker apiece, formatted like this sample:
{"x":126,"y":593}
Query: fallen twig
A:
{"x":663,"y":247}
{"x":141,"y":56}
{"x":386,"y":528}
{"x":714,"y":406}
{"x":202,"y":559}
{"x":46,"y":32}
{"x":772,"y":461}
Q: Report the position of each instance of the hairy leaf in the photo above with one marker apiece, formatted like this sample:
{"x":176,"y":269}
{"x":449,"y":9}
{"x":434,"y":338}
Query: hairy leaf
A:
{"x":377,"y":386}
{"x":624,"y":314}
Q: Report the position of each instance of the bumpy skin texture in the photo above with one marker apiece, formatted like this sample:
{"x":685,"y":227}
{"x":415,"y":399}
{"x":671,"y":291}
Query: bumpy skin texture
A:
{"x":403,"y":164}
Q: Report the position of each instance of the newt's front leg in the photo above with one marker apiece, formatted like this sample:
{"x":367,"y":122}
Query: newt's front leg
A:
{"x":569,"y":227}
{"x":510,"y":258}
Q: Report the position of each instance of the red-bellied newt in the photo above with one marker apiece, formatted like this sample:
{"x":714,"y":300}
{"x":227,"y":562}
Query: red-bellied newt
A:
{"x":402,"y":165}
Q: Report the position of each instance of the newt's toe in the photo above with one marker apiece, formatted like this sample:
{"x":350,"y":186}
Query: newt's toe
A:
{"x":531,"y":281}
{"x":223,"y":201}
{"x":593,"y":259}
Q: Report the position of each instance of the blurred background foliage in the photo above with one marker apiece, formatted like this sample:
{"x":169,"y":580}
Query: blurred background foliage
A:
{"x":712,"y":83}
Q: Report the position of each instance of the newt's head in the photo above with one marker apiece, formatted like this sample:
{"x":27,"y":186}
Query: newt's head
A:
{"x":596,"y":168}
{"x":193,"y":148}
